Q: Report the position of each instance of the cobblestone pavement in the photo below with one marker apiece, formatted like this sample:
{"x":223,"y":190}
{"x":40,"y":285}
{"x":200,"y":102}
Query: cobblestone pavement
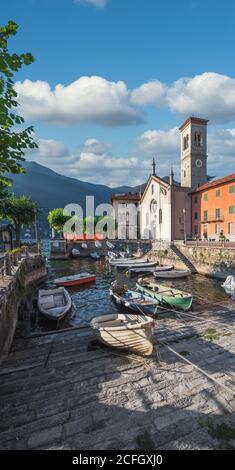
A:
{"x":65,"y":391}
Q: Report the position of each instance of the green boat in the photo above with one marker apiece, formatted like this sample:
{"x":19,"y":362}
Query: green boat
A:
{"x":175,"y":298}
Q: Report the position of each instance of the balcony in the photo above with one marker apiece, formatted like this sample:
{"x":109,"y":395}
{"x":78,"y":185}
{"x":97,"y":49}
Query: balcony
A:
{"x":213,"y":218}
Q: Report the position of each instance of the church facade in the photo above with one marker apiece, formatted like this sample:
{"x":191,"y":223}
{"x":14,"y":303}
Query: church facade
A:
{"x":165,"y":208}
{"x":170,"y":211}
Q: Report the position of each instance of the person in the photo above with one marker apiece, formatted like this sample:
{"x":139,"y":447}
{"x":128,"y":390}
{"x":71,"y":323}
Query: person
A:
{"x":221,"y":237}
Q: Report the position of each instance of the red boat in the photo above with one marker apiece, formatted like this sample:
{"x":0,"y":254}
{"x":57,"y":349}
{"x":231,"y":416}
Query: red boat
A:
{"x":75,"y":280}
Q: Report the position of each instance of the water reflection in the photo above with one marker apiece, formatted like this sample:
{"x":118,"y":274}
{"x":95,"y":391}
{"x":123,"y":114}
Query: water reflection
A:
{"x":93,"y":299}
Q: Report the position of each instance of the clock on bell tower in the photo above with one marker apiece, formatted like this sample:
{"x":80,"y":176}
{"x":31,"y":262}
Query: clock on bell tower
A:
{"x":193,"y":152}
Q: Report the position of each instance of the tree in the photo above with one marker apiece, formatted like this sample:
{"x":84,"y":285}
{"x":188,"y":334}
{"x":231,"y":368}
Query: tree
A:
{"x":57,"y":219}
{"x":13,"y":142}
{"x":21,"y":211}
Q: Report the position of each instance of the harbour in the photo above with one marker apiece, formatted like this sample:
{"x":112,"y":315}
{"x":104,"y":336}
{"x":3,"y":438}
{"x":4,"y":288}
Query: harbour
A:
{"x":69,"y":391}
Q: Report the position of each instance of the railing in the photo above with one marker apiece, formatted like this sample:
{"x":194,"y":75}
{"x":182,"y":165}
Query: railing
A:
{"x":9,"y":261}
{"x":213,"y":218}
{"x":211,"y":243}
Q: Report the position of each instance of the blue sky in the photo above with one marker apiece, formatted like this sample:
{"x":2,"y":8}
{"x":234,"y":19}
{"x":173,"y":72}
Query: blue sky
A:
{"x":114,"y":79}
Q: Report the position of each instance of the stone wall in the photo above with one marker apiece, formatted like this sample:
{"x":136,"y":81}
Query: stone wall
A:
{"x":216,"y":262}
{"x":15,"y":290}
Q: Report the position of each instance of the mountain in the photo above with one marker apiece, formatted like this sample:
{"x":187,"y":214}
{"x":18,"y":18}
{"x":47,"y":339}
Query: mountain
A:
{"x":50,"y":189}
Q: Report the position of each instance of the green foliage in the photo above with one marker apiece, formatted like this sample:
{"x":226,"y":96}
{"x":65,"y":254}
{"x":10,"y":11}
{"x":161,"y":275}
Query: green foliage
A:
{"x":13,"y":143}
{"x":57,"y":219}
{"x":20,"y":211}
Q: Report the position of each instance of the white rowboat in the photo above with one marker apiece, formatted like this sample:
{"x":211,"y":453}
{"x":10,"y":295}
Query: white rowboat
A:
{"x":110,"y":245}
{"x":129,"y":332}
{"x":54,"y":303}
{"x":98,"y":244}
{"x":175,"y":274}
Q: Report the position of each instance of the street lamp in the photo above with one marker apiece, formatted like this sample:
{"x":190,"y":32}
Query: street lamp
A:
{"x":35,"y":225}
{"x":185,"y":235}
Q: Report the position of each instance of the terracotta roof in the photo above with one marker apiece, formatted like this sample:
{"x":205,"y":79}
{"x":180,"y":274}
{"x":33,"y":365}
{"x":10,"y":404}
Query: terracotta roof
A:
{"x":195,"y":120}
{"x":126,"y":197}
{"x":213,"y":184}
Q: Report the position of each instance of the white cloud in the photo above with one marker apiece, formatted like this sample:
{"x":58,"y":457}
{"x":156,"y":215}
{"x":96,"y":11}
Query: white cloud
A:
{"x":96,"y":3}
{"x":95,"y":163}
{"x":209,"y":95}
{"x":87,"y":100}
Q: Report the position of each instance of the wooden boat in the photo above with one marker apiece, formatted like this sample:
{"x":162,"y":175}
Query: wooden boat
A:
{"x":128,"y":264}
{"x":175,"y":298}
{"x":125,"y":260}
{"x":112,"y":255}
{"x":229,"y":286}
{"x":110,"y":245}
{"x":95,"y":256}
{"x":75,"y":253}
{"x":54,"y":303}
{"x":175,"y":274}
{"x":128,"y":332}
{"x":133,"y":300}
{"x":84,"y":246}
{"x":150,"y":270}
{"x":98,"y":244}
{"x":76,"y":279}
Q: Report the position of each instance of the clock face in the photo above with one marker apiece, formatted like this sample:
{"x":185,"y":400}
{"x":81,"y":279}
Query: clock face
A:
{"x":198,"y":163}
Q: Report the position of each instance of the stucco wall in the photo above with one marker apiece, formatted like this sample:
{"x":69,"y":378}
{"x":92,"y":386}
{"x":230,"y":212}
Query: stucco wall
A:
{"x":29,"y":272}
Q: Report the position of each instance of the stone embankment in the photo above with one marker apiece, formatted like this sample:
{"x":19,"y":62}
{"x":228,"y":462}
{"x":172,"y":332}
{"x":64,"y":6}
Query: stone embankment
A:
{"x":17,"y":289}
{"x":211,"y":261}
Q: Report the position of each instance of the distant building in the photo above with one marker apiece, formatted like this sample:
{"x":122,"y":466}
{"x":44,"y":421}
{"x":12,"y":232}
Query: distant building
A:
{"x":213,"y":209}
{"x":126,"y":226}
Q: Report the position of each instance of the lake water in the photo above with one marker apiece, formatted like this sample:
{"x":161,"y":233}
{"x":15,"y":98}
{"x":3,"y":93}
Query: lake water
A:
{"x":94,"y":300}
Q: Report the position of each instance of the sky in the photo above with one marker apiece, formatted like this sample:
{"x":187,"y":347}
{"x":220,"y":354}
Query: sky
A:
{"x":113,"y":80}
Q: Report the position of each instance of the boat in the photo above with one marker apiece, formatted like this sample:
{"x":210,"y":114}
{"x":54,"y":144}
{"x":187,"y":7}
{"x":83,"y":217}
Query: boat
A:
{"x":76,"y":279}
{"x":229,"y":286}
{"x":110,"y":245}
{"x":126,"y":332}
{"x":54,"y":303}
{"x":128,"y":260}
{"x":98,"y":244}
{"x":133,"y":300}
{"x":95,"y":256}
{"x":129,"y":264}
{"x":125,"y":255}
{"x":84,"y":246}
{"x":166,"y":295}
{"x":112,"y":255}
{"x":75,"y":252}
{"x":175,"y":274}
{"x":150,"y":270}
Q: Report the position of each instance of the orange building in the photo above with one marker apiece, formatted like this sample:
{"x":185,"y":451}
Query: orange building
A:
{"x":213,"y":209}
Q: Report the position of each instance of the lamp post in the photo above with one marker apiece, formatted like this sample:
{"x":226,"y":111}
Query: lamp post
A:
{"x":185,"y":234}
{"x":35,"y":226}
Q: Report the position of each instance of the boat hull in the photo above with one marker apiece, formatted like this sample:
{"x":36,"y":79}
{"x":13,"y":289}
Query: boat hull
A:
{"x":177,"y":302}
{"x":69,"y":282}
{"x":137,"y":339}
{"x":171,"y":274}
{"x":48,"y":303}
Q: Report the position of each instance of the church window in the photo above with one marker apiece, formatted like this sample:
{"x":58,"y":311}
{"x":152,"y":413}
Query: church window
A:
{"x":152,"y":188}
{"x":147,"y":219}
{"x":186,"y":142}
{"x":198,"y":140}
{"x":184,"y":174}
{"x":153,"y":206}
{"x":160,"y":216}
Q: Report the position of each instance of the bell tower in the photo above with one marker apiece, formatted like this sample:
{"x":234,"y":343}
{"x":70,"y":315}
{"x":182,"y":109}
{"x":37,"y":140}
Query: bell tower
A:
{"x":194,"y":152}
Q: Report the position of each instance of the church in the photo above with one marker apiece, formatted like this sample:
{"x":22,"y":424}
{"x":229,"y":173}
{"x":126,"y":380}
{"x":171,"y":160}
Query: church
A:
{"x":165,"y":208}
{"x":170,"y":211}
